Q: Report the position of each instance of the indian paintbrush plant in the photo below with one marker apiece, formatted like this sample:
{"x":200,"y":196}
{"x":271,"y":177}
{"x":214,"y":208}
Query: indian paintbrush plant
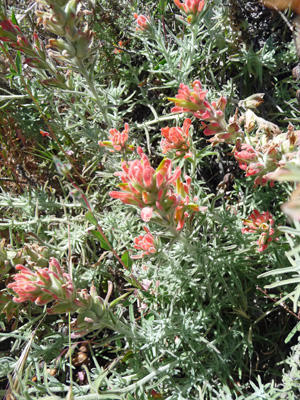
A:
{"x":53,"y":285}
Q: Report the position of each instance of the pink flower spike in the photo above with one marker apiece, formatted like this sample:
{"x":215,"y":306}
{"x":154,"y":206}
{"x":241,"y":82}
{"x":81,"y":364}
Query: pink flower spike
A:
{"x":192,"y":8}
{"x":142,"y":22}
{"x":176,"y":139}
{"x":43,"y":285}
{"x":150,"y":190}
{"x":24,"y":270}
{"x":118,"y":141}
{"x":54,"y":265}
{"x":145,"y":243}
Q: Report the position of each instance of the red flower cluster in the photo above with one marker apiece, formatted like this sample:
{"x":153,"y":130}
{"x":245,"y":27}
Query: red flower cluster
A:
{"x":142,"y":22}
{"x":44,"y":285}
{"x":192,"y":8}
{"x":118,"y":141}
{"x":147,"y":244}
{"x":259,"y":157}
{"x":144,"y":187}
{"x":177,"y":139}
{"x":194,"y":101}
{"x":152,"y":190}
{"x":261,"y":224}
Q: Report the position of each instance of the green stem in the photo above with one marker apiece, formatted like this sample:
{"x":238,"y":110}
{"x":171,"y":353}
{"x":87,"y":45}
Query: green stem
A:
{"x":192,"y":46}
{"x":70,"y":351}
{"x":84,"y":72}
{"x":159,"y":119}
{"x":126,"y":331}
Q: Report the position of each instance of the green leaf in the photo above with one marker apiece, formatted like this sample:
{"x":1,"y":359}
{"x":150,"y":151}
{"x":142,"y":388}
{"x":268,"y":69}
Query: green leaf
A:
{"x":280,"y":271}
{"x":126,"y":259}
{"x":90,"y":217}
{"x":162,"y":6}
{"x":292,"y":333}
{"x":19,"y":63}
{"x":127,"y":356}
{"x":113,"y":303}
{"x":14,"y":19}
{"x":296,"y":298}
{"x":290,"y":281}
{"x":101,"y":239}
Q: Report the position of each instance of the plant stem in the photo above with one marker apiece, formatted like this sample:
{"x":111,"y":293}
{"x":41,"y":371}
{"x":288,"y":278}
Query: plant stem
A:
{"x":85,"y":74}
{"x":194,"y":30}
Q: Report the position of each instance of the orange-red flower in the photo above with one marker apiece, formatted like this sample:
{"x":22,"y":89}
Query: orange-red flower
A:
{"x":191,"y":100}
{"x":192,"y":8}
{"x":153,"y":191}
{"x":45,"y":134}
{"x":118,"y":141}
{"x":194,"y":101}
{"x":177,"y":138}
{"x":142,"y":22}
{"x":262,"y":224}
{"x":44,"y":285}
{"x":144,"y":187}
{"x":117,"y":51}
{"x":147,"y":244}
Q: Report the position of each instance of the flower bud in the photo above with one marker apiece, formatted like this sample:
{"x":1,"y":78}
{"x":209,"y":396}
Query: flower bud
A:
{"x":68,"y":50}
{"x":252,"y":101}
{"x":84,"y":43}
{"x":142,"y":22}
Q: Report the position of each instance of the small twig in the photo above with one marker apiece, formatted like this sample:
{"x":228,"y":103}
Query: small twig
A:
{"x":11,"y":180}
{"x":285,"y":20}
{"x":276,"y":301}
